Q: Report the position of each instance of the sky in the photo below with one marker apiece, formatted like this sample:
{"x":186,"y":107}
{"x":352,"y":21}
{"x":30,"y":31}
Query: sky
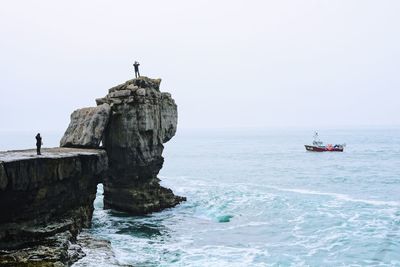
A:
{"x":226,"y":63}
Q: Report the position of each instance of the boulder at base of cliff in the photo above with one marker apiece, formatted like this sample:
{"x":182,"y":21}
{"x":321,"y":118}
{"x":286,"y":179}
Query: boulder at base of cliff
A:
{"x":140,"y":197}
{"x":86,"y":127}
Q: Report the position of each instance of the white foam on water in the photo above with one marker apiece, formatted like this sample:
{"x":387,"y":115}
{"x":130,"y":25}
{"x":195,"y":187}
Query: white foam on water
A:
{"x":239,"y":226}
{"x":206,"y":203}
{"x":342,"y":197}
{"x":338,"y":196}
{"x":211,"y":255}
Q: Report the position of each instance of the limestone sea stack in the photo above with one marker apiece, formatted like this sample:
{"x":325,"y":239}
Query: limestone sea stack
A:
{"x":46,"y":200}
{"x":133,"y":121}
{"x":141,"y":119}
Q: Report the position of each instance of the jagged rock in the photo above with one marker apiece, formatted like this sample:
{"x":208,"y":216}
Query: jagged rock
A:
{"x":86,"y":127}
{"x":115,"y":88}
{"x":97,"y":252}
{"x":51,"y":252}
{"x":121,"y":93}
{"x":46,"y":200}
{"x":140,"y":197}
{"x":3,"y":177}
{"x":100,"y":101}
{"x":132,"y":87}
{"x":169,"y":117}
{"x":143,"y":82}
{"x":134,"y":139}
{"x":46,"y":203}
{"x":141,"y":92}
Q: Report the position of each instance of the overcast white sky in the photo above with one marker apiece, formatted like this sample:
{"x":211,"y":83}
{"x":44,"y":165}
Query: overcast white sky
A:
{"x":227,"y":63}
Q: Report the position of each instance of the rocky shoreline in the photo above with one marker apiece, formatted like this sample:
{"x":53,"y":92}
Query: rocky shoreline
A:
{"x":95,"y":251}
{"x":45,"y":201}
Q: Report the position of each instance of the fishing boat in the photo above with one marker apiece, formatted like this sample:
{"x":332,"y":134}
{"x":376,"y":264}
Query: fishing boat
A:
{"x":318,"y":146}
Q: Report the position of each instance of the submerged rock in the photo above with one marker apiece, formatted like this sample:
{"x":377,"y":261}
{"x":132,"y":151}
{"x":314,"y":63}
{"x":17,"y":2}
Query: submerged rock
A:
{"x":86,"y":127}
{"x":138,"y":126}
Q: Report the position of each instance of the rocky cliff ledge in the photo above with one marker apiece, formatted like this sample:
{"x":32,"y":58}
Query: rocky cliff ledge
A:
{"x":142,"y":118}
{"x":44,"y":202}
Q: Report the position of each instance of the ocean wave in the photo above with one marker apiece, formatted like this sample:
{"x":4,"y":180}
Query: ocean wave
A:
{"x":338,"y":196}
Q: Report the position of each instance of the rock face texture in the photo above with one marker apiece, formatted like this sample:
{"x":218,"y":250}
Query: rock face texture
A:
{"x":86,"y":127}
{"x":142,"y":119}
{"x":44,"y":202}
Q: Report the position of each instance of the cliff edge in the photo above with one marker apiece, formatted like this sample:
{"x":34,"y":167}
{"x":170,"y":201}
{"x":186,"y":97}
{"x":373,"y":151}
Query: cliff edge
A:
{"x":132,"y":122}
{"x":46,"y":200}
{"x":141,"y":119}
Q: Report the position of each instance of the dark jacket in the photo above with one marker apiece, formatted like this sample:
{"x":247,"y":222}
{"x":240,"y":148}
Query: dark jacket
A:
{"x":38,"y":140}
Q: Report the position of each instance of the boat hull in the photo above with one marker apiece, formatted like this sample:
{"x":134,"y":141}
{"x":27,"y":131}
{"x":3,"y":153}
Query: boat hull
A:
{"x":315,"y":148}
{"x":322,"y":149}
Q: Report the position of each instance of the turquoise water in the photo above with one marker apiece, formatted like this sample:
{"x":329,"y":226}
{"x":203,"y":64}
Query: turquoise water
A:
{"x":257,"y":198}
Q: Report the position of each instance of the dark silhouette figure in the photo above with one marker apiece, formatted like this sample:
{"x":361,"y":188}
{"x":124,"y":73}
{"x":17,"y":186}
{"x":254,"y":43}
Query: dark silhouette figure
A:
{"x":136,"y":65}
{"x":39,"y":143}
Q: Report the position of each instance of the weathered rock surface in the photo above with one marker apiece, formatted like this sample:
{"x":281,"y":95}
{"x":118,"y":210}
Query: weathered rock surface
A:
{"x":46,"y":202}
{"x":169,"y":117}
{"x":98,"y":252}
{"x":140,"y":122}
{"x":51,"y":251}
{"x":86,"y":127}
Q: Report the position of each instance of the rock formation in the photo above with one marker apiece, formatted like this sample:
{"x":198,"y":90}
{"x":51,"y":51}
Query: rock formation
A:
{"x":45,"y":201}
{"x":134,"y":120}
{"x":86,"y":127}
{"x":142,"y":119}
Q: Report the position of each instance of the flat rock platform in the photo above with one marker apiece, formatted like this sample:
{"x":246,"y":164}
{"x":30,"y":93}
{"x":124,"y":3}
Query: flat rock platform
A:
{"x":47,"y":153}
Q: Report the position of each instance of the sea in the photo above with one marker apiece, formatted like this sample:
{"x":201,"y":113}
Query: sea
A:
{"x":256,"y":197}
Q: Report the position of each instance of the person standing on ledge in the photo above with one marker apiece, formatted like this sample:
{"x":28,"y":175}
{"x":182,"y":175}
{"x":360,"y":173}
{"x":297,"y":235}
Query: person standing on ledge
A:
{"x":39,"y":143}
{"x":136,"y":65}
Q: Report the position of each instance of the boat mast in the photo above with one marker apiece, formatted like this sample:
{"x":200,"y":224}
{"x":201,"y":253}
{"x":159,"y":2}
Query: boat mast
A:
{"x":316,"y":141}
{"x":316,"y":137}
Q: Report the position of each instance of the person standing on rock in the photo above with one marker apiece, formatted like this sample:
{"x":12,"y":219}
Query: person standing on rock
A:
{"x":136,"y":65}
{"x":39,"y":143}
